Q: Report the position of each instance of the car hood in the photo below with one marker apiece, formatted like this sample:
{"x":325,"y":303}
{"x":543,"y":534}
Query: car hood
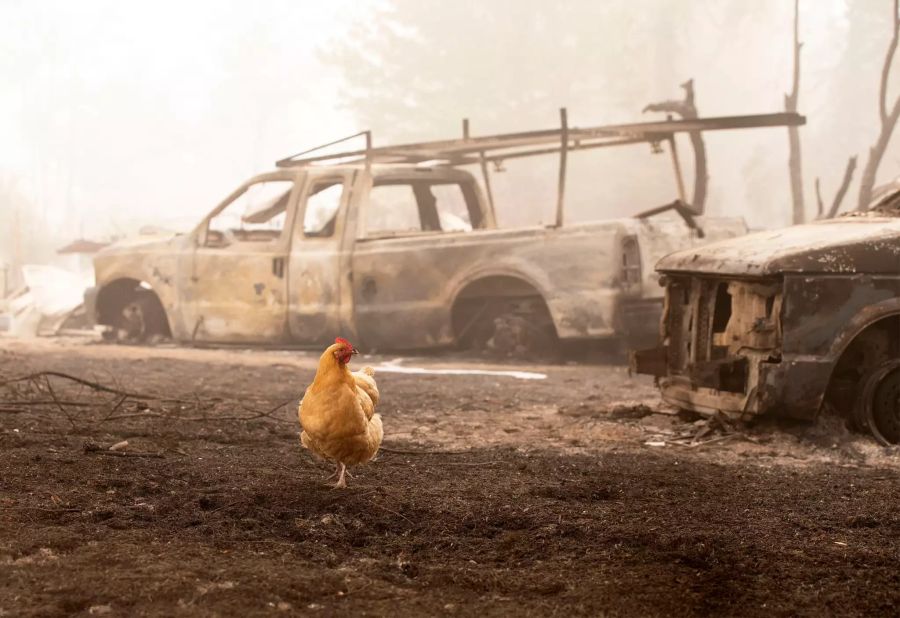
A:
{"x":141,"y":243}
{"x":864,"y":243}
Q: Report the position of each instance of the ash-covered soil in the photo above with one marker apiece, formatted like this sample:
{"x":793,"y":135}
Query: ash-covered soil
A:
{"x":575,"y":495}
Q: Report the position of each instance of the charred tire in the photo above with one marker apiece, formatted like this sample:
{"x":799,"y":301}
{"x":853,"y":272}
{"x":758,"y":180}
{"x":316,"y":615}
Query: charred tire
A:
{"x":509,"y":327}
{"x":142,"y":319}
{"x":878,"y":407}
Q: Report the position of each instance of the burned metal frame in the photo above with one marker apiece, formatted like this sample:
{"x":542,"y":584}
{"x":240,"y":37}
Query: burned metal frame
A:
{"x":497,"y":148}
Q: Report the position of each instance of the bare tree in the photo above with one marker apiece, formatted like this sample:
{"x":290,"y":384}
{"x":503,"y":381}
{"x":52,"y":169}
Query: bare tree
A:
{"x":795,"y":164}
{"x":687,"y":109}
{"x":841,"y":192}
{"x":888,"y":118}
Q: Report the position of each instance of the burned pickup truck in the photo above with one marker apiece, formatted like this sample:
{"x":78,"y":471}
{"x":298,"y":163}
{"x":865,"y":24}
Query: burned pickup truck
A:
{"x":787,"y":322}
{"x":398,"y":247}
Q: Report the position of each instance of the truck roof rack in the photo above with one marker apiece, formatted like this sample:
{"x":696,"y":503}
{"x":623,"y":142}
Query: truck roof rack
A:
{"x":482,"y":150}
{"x":473,"y":150}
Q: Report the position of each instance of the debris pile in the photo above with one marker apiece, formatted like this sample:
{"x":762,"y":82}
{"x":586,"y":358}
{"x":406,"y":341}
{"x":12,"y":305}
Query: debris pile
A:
{"x":620,"y":410}
{"x":716,"y":428}
{"x":50,"y":297}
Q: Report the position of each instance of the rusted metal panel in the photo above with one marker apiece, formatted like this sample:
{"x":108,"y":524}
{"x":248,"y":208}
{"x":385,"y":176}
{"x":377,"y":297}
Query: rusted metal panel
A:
{"x":865,"y":244}
{"x":406,"y":303}
{"x":152,"y":260}
{"x":818,"y":310}
{"x":652,"y":362}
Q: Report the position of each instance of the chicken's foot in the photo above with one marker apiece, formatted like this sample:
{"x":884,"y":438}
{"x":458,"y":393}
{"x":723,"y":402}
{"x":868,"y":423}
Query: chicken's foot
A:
{"x":341,"y":482}
{"x":337,"y":471}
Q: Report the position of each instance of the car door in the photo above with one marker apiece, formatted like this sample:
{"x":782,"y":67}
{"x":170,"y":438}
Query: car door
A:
{"x":236,"y":285}
{"x":320,"y":297}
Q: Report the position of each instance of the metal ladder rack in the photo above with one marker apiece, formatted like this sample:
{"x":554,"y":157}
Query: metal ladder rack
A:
{"x":495,"y":149}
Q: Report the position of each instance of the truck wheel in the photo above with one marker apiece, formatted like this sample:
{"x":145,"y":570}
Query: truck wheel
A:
{"x":141,"y":320}
{"x":878,"y":407}
{"x":517,"y":336}
{"x":510,"y":327}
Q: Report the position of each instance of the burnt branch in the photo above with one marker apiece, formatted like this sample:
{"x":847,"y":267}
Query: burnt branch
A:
{"x":820,"y":207}
{"x":886,"y":69}
{"x":59,"y":405}
{"x":888,"y":118}
{"x":687,"y":109}
{"x":94,"y":449}
{"x":41,"y":384}
{"x":397,"y":451}
{"x":795,"y":159}
{"x":93,"y":385}
{"x":672,"y":107}
{"x":842,"y":190}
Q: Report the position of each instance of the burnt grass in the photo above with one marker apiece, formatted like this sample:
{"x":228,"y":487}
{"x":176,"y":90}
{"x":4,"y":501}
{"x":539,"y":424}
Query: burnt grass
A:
{"x":237,"y":520}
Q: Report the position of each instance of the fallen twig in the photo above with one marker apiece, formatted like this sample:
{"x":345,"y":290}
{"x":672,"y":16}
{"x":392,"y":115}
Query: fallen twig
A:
{"x":41,"y":508}
{"x":705,"y":442}
{"x":361,"y":588}
{"x":225,"y":506}
{"x":44,"y":402}
{"x":114,"y":417}
{"x":127,"y":454}
{"x":269,"y":413}
{"x":114,"y":408}
{"x":94,"y":385}
{"x":94,"y":449}
{"x":197,"y":419}
{"x":392,"y":512}
{"x":59,"y":405}
{"x":386,"y":449}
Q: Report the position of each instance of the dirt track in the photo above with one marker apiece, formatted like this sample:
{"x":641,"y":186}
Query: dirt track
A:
{"x":556,"y":505}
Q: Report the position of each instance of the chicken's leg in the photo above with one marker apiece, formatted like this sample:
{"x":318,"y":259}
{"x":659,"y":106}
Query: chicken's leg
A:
{"x":341,"y":482}
{"x":337,"y":470}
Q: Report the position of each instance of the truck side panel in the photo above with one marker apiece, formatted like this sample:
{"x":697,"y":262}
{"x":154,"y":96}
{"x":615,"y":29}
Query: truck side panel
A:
{"x":404,"y":288}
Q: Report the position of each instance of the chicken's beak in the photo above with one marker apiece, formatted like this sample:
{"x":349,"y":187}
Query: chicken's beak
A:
{"x":355,"y":351}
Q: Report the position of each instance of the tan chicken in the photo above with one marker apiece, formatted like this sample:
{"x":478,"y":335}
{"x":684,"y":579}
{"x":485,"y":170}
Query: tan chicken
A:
{"x":337,"y":413}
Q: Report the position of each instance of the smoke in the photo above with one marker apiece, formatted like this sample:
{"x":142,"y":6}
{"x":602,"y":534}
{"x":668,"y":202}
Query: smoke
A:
{"x":114,"y":115}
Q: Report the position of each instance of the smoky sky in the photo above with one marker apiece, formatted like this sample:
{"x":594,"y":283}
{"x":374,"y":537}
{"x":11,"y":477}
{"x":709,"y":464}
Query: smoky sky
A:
{"x":114,"y":115}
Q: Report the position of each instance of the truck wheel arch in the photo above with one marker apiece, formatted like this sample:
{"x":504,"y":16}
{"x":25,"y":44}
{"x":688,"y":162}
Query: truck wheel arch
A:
{"x":871,"y":336}
{"x":472,"y":295}
{"x":114,"y":296}
{"x":864,"y":319}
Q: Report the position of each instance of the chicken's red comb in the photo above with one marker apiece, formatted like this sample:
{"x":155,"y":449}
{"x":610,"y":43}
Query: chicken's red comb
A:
{"x":343,"y":341}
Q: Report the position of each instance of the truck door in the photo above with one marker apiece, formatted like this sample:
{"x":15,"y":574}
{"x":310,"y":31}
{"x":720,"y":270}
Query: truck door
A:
{"x":414,"y":235}
{"x":234,"y":286}
{"x":320,"y":298}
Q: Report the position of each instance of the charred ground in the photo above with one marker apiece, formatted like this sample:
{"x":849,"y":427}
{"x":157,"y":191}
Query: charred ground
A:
{"x":526,"y":498}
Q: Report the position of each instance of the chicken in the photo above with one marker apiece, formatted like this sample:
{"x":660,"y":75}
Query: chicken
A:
{"x":337,"y":413}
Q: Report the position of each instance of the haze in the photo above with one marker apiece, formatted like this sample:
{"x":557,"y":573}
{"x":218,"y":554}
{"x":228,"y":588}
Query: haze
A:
{"x":116,"y":115}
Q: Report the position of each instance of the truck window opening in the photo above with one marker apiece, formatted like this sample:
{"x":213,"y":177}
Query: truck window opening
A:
{"x":402,"y":207}
{"x":256,"y":215}
{"x":322,"y":207}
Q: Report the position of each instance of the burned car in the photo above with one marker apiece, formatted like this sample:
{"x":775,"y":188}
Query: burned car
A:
{"x":398,"y":247}
{"x":787,"y":322}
